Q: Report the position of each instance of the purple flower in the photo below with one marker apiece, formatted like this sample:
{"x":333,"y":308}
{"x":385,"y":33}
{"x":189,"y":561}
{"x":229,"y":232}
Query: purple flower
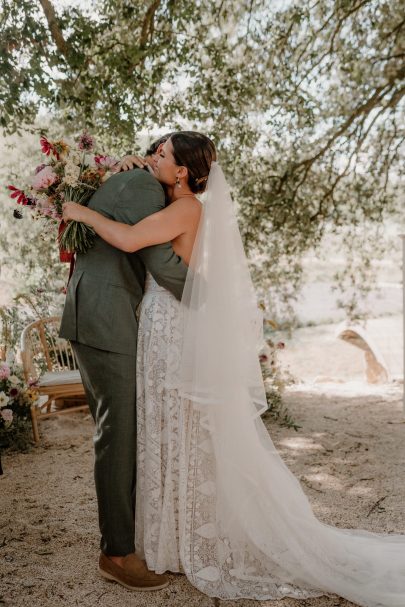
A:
{"x":14,"y":392}
{"x":86,"y":142}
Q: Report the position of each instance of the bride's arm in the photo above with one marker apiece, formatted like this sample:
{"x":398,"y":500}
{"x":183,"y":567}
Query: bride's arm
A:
{"x":157,"y":228}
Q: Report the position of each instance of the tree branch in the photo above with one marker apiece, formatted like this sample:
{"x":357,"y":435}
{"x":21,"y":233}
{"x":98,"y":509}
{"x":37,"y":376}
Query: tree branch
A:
{"x":396,"y":29}
{"x":56,"y":33}
{"x":365,"y":108}
{"x":148,"y":24}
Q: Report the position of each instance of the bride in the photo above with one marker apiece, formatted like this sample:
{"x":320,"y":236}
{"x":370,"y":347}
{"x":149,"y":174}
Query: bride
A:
{"x":214,"y":499}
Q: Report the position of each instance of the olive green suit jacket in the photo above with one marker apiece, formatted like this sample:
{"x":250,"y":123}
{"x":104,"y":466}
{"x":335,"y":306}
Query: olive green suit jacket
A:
{"x":107,"y":284}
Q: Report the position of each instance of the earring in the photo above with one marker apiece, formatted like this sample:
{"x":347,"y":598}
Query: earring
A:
{"x":178,"y":182}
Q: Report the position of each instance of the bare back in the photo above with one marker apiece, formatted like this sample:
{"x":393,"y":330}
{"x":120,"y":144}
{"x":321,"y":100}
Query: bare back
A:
{"x":183,"y":244}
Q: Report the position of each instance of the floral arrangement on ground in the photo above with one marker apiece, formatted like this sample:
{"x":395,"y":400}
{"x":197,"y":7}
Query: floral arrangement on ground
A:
{"x":275,"y":381}
{"x":16,"y":399}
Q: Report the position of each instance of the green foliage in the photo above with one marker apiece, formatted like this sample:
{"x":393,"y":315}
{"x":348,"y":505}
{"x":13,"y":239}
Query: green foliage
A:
{"x":275,"y":381}
{"x":304,"y":101}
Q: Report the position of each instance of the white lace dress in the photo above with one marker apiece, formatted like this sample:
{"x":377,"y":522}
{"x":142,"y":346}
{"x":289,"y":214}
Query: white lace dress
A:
{"x":158,"y":432}
{"x":175,"y":524}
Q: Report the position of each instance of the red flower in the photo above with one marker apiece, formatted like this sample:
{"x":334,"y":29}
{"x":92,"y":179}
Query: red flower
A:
{"x":48,"y":148}
{"x":19,"y":195}
{"x":13,"y":392}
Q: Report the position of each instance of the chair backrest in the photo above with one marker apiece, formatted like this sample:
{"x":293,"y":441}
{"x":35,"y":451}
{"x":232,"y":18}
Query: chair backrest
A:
{"x":43,"y":350}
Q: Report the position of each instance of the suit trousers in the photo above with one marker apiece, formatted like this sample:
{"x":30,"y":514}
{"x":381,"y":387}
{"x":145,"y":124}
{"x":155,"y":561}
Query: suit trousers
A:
{"x":109,"y":380}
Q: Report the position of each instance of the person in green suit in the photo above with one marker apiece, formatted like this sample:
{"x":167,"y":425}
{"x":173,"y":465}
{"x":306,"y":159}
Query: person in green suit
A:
{"x":99,"y":318}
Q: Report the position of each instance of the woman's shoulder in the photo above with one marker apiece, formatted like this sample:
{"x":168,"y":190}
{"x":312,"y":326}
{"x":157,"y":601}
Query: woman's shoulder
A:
{"x":185,"y":212}
{"x":187,"y":204}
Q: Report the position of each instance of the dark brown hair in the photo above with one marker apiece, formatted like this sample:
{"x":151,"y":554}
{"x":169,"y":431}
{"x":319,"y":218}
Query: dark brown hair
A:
{"x":196,"y":152}
{"x":153,"y":147}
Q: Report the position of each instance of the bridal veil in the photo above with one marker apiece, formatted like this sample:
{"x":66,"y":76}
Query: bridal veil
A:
{"x":247,"y":529}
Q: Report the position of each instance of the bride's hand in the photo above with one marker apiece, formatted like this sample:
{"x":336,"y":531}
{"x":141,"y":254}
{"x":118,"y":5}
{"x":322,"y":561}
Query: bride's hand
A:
{"x":74,"y":212}
{"x":129,"y":162}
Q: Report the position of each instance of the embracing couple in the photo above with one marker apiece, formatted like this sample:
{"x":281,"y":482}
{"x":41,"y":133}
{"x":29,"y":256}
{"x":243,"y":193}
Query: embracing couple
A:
{"x":163,"y":321}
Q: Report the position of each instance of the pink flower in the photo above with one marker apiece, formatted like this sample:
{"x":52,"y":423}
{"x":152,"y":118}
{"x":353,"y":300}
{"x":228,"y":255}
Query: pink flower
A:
{"x":86,"y":142}
{"x":280,"y":345}
{"x":46,"y":212}
{"x":44,"y":178}
{"x":263,"y":358}
{"x":43,"y":204}
{"x":4,"y":371}
{"x":7,"y":415}
{"x":106,"y":162}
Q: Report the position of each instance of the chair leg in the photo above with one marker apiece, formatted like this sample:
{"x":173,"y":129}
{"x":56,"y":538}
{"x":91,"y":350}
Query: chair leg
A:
{"x":34,"y":422}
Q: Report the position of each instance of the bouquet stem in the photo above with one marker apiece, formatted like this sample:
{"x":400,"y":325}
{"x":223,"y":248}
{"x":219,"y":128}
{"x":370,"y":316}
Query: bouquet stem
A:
{"x":76,"y":237}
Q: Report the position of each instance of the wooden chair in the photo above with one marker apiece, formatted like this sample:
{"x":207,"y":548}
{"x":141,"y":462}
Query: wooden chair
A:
{"x":49,"y":361}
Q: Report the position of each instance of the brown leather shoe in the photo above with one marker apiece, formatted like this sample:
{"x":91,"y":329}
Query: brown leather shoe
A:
{"x":134,"y":573}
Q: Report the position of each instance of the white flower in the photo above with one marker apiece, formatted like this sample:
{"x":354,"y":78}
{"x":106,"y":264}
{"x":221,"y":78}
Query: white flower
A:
{"x":14,"y":380}
{"x":71,"y":167}
{"x":7,"y":415}
{"x":3,"y":400}
{"x":70,"y":180}
{"x":72,"y":172}
{"x":75,"y":158}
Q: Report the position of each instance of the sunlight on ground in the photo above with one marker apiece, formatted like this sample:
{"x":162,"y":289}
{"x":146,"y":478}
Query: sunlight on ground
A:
{"x":328,"y":481}
{"x":302,"y":443}
{"x":389,"y":391}
{"x":360,"y":491}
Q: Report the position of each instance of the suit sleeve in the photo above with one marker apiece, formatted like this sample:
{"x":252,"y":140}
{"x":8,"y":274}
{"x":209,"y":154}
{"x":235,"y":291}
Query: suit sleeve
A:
{"x":141,"y":197}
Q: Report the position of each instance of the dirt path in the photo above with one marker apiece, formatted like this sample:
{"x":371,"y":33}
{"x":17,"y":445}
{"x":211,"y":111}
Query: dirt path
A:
{"x":349,"y":456}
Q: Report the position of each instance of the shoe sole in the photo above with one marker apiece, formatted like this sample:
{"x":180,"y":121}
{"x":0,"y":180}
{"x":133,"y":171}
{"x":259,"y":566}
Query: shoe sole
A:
{"x":111,"y":578}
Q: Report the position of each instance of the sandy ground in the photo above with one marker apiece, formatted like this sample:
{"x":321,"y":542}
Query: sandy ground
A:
{"x":348,"y":455}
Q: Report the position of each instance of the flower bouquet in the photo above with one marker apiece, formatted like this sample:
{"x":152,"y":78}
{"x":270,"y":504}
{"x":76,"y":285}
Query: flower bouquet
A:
{"x":73,"y":172}
{"x":15,"y":406}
